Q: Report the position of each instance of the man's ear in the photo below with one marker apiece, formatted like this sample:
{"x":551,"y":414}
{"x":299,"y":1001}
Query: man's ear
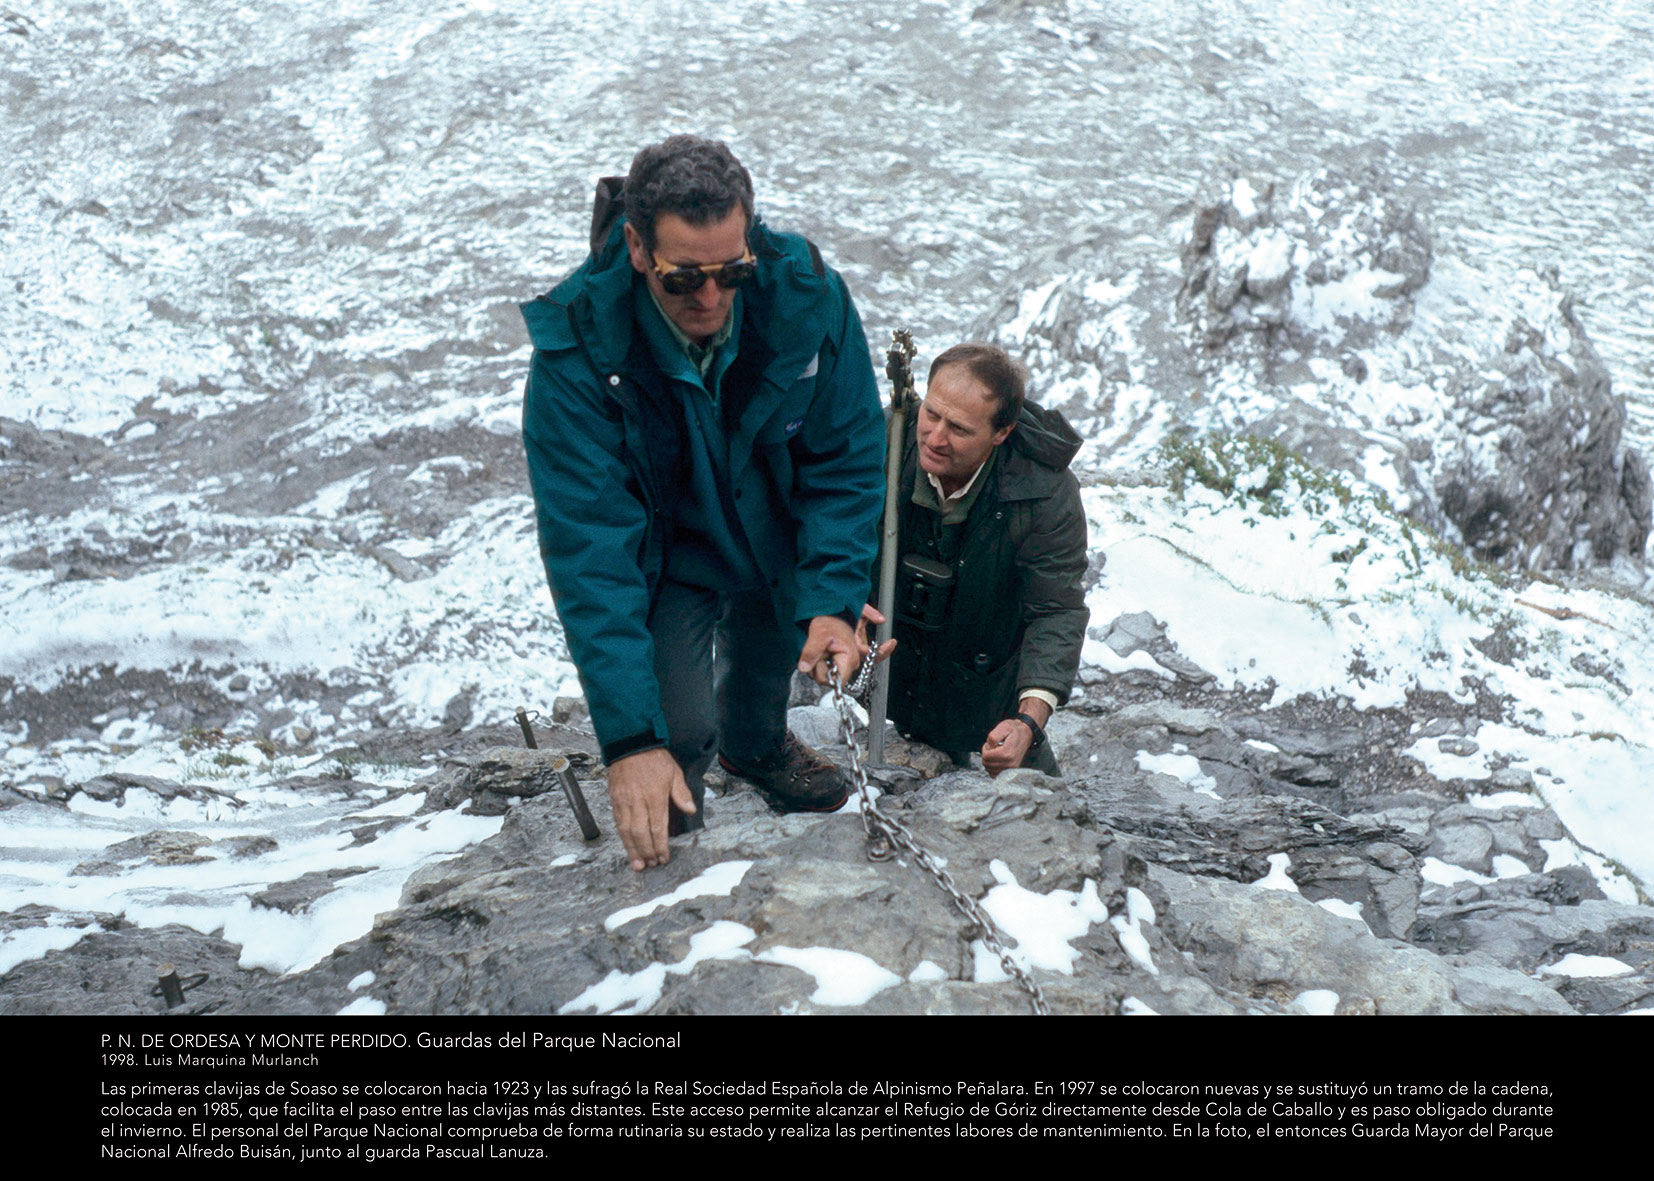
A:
{"x":635,"y":248}
{"x":1001,"y":436}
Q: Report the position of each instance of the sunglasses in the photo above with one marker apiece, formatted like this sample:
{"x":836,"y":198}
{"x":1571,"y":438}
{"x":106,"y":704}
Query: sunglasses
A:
{"x":683,"y":280}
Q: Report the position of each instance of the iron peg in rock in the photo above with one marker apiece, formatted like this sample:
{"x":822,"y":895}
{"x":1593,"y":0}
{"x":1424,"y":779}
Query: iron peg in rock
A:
{"x":565,"y":778}
{"x":524,"y":717}
{"x":576,"y":799}
{"x":171,"y":988}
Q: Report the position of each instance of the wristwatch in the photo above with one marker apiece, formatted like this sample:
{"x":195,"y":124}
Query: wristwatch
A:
{"x":1039,"y":734}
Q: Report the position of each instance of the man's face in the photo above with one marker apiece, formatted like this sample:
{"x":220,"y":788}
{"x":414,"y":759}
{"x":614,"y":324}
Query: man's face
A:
{"x":700,"y":313}
{"x":956,"y":426}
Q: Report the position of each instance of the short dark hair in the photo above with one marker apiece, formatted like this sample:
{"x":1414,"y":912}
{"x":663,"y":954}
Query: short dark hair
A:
{"x":994,"y":368}
{"x":698,"y":179}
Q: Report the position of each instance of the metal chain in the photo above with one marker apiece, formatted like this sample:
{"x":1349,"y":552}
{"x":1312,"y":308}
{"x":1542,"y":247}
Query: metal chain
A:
{"x":862,"y":684}
{"x":885,"y":834}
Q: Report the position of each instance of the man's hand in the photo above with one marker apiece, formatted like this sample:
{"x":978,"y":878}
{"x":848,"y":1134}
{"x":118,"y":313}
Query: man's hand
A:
{"x":871,"y":614}
{"x":640,"y":787}
{"x":830,"y":636}
{"x":1006,"y":747}
{"x":1008,"y":742}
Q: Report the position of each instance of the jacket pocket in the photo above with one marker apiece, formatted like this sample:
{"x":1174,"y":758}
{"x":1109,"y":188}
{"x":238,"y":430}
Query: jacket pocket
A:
{"x":979,"y":697}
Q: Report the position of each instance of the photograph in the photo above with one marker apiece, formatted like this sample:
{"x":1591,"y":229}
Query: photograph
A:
{"x":515,"y":518}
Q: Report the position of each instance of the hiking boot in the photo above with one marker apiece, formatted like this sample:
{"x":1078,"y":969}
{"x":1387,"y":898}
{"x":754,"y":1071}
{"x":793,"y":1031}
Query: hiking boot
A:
{"x":799,"y":780}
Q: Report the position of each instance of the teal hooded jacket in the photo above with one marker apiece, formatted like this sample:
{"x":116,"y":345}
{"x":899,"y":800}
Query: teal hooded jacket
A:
{"x":603,"y":427}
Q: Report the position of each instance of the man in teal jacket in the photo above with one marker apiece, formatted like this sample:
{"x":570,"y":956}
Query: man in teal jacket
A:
{"x":705,"y":446}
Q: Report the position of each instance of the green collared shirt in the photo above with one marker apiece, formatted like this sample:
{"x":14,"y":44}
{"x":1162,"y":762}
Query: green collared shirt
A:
{"x":700,"y":355}
{"x":925,"y":494}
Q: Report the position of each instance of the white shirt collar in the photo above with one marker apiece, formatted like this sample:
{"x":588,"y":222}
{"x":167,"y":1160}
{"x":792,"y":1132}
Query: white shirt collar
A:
{"x":944,"y":497}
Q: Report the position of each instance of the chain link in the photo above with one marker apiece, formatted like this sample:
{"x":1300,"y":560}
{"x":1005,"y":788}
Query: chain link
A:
{"x":885,"y":834}
{"x":862,"y":685}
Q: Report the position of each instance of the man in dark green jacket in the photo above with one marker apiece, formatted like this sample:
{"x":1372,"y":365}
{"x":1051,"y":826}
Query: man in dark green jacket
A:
{"x":705,"y":447}
{"x":991,"y":610}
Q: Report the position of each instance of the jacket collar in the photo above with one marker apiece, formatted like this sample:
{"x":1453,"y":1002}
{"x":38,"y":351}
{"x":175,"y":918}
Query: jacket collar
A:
{"x":593,"y":307}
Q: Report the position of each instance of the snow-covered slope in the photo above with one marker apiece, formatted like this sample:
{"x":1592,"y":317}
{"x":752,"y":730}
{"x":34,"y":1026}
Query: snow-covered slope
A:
{"x":262,"y":508}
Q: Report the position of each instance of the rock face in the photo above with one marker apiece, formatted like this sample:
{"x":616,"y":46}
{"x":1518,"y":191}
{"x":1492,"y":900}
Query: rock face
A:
{"x":1154,"y":895}
{"x":1330,"y":264}
{"x":114,"y":971}
{"x":500,"y":774}
{"x":1230,"y":857}
{"x":1529,"y":471}
{"x":1536,"y":476}
{"x":1316,"y":315}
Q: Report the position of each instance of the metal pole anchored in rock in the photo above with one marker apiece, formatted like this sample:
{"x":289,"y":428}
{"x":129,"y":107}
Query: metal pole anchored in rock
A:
{"x":577,"y":800}
{"x":899,"y":368}
{"x":523,"y":720}
{"x":565,"y":779}
{"x":171,"y":988}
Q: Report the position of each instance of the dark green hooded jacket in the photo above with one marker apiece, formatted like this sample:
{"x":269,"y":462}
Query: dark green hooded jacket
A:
{"x":1018,"y":613}
{"x":604,"y":432}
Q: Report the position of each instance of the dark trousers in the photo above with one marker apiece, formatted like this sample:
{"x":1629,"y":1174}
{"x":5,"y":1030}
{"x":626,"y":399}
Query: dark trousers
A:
{"x":725,"y":669}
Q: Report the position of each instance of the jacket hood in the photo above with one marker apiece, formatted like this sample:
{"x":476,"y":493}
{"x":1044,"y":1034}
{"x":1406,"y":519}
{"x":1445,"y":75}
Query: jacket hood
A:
{"x":1036,"y":456}
{"x":1044,"y":436}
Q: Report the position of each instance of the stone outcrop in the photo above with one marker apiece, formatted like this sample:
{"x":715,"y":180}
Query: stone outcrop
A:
{"x":1264,"y":899}
{"x":1273,"y":868}
{"x":1535,"y":476}
{"x":500,"y":775}
{"x":1315,"y":315}
{"x":1526,"y":466}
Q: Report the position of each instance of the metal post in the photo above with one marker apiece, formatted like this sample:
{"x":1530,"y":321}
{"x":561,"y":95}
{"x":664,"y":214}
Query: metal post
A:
{"x":898,"y":366}
{"x":565,"y":779}
{"x":576,"y":798}
{"x":169,"y":986}
{"x":523,"y":718}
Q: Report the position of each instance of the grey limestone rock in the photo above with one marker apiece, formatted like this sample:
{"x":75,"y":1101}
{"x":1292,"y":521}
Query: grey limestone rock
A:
{"x":1141,"y":632}
{"x":113,"y":969}
{"x":161,"y":847}
{"x":497,"y":775}
{"x":299,"y":894}
{"x":1294,"y":298}
{"x":759,"y":913}
{"x":1276,"y":944}
{"x":1529,"y":468}
{"x":112,"y":786}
